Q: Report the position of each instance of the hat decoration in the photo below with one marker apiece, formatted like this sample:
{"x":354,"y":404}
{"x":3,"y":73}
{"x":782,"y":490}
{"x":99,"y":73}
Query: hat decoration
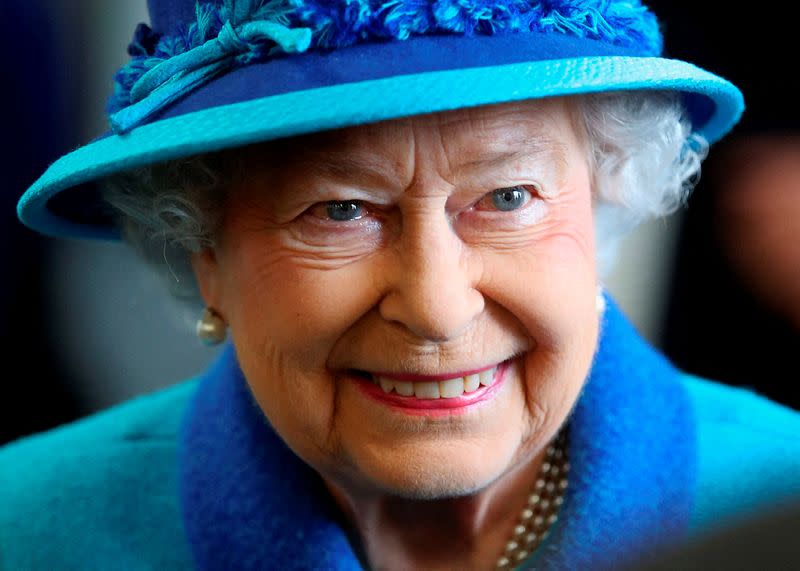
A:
{"x":163,"y":69}
{"x":239,"y":32}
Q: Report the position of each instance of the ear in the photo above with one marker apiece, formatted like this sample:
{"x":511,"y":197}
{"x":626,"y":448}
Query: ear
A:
{"x":207,"y":273}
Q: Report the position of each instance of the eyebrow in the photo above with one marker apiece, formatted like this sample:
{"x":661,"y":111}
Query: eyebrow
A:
{"x":536,"y":147}
{"x":345,"y":165}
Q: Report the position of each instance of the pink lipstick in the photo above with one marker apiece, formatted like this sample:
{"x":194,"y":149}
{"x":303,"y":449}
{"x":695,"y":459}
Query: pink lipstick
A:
{"x":433,"y":395}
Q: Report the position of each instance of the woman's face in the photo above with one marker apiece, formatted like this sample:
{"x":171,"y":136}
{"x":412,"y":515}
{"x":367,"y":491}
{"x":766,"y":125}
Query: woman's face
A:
{"x":417,"y":250}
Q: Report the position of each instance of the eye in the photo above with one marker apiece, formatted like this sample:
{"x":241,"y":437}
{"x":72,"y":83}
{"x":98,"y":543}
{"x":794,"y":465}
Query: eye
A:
{"x":339,"y":210}
{"x":505,"y":199}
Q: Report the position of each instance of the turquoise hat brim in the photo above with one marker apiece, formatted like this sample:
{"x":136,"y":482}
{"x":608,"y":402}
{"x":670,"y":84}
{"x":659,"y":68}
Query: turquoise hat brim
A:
{"x":716,"y":103}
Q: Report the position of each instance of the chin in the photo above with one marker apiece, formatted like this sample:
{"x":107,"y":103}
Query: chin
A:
{"x":428,"y":476}
{"x":414,"y":487}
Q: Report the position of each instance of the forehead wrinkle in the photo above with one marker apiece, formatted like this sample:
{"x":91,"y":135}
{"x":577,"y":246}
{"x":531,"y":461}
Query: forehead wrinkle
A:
{"x":358,"y":154}
{"x":349,"y":165}
{"x":511,"y":150}
{"x":493,"y":137}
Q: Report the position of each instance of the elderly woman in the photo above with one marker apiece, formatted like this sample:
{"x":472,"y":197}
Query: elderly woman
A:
{"x":400,"y":213}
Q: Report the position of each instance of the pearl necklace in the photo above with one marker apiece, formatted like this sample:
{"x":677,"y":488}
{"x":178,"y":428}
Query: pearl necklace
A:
{"x":541,"y":509}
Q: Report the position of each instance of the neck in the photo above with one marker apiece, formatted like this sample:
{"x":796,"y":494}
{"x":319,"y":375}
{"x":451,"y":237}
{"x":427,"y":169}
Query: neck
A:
{"x":468,"y":532}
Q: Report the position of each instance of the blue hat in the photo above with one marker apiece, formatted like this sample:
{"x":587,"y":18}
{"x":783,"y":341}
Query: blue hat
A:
{"x":208,"y":76}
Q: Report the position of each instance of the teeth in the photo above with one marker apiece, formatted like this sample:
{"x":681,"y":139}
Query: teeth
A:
{"x":426,"y":390}
{"x":471,"y":383}
{"x":451,"y":388}
{"x":404,"y":388}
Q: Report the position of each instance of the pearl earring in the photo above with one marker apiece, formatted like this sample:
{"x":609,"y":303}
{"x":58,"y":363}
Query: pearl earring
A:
{"x":600,"y":301}
{"x":211,"y":328}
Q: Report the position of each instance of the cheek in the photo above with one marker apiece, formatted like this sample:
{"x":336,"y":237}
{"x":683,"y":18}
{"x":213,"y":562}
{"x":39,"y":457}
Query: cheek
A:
{"x":549,"y":286}
{"x":285,"y":317}
{"x":281,"y":299}
{"x":535,"y":280}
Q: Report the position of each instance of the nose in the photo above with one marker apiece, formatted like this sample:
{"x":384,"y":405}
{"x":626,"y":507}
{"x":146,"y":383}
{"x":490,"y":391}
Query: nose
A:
{"x":432,"y":282}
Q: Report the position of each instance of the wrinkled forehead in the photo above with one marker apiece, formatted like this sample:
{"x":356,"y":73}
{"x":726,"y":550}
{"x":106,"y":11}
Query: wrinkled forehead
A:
{"x":539,"y":125}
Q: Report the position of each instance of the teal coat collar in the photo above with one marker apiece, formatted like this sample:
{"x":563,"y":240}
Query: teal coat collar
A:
{"x":249,"y":503}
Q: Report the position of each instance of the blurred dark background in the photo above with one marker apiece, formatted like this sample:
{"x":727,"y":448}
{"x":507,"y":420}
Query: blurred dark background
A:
{"x":734,"y":303}
{"x":36,"y":98}
{"x":85,"y":326}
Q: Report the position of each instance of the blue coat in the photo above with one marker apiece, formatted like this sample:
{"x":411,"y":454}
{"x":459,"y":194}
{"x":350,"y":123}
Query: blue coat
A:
{"x":191,"y":476}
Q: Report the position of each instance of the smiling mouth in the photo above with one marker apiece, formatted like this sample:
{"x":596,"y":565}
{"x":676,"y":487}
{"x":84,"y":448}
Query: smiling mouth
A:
{"x":447,"y":388}
{"x":431,"y":394}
